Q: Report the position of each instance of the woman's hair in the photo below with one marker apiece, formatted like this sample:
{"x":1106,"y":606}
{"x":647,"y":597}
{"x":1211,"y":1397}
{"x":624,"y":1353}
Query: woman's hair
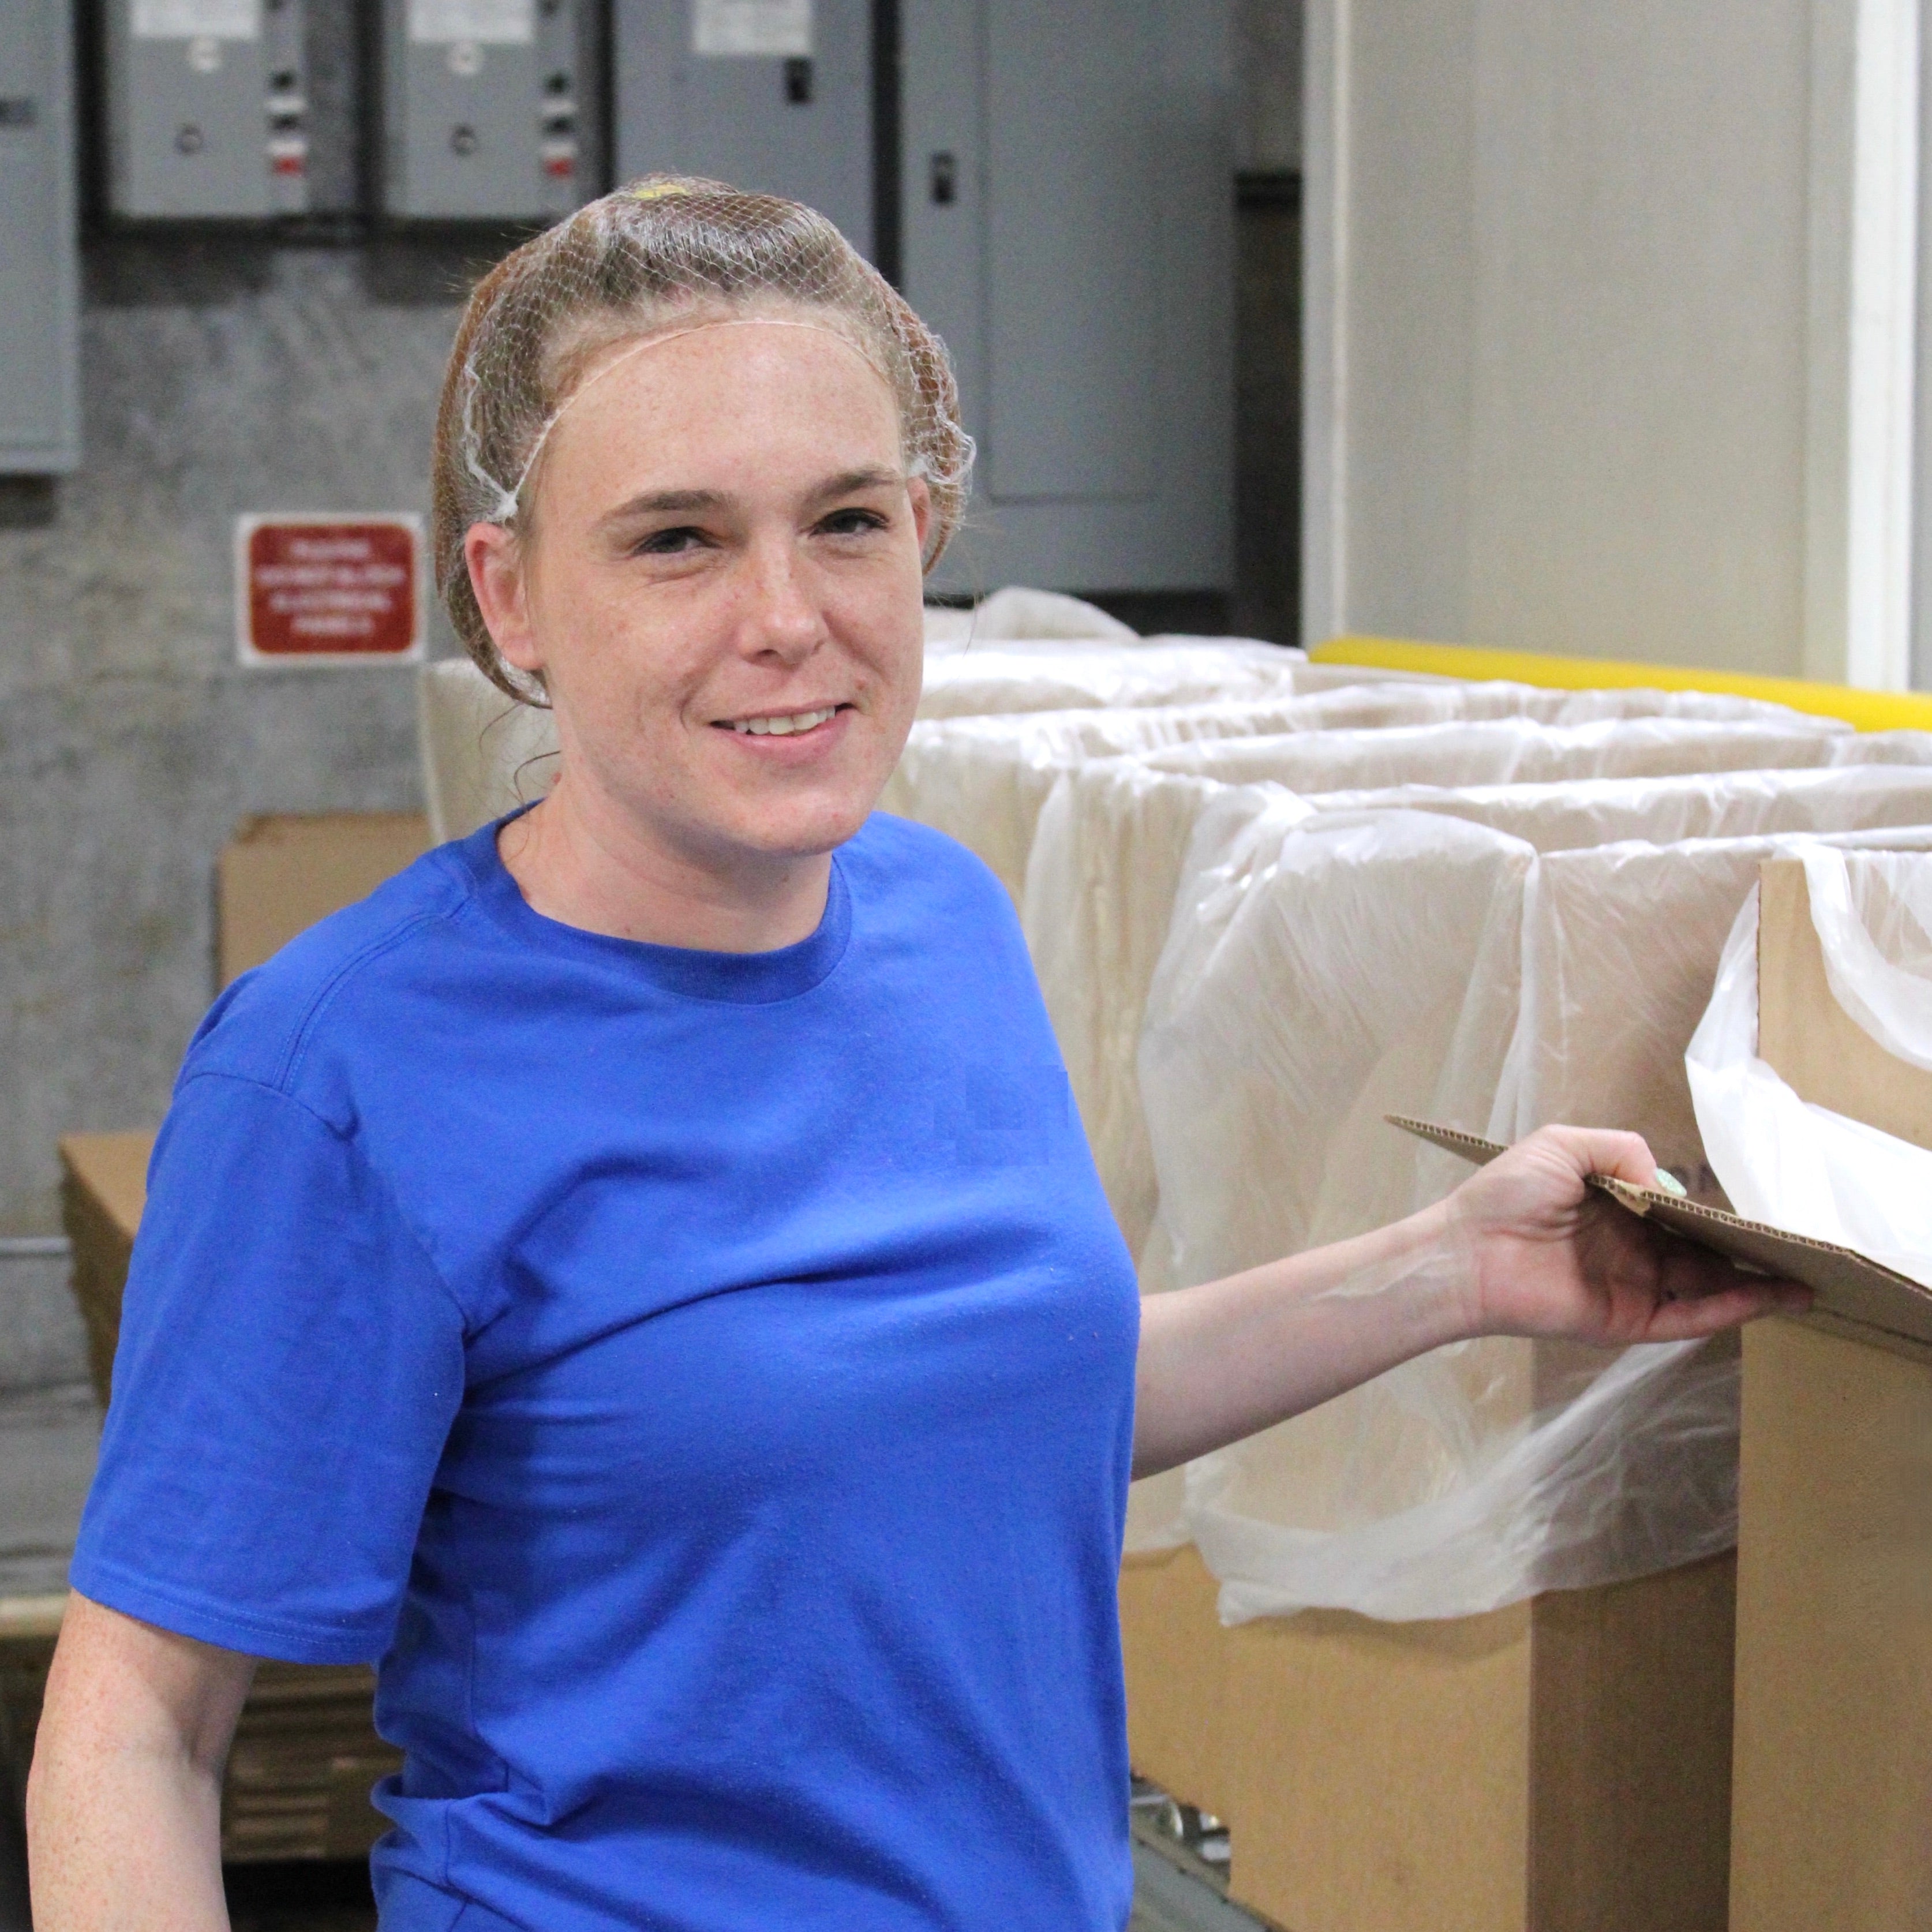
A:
{"x":666,"y":253}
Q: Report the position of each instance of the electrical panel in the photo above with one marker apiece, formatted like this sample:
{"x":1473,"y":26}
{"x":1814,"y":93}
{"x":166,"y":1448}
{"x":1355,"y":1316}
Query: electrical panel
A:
{"x":483,"y":108}
{"x":40,"y":408}
{"x":769,"y":95}
{"x":207,"y":108}
{"x":1067,"y":218}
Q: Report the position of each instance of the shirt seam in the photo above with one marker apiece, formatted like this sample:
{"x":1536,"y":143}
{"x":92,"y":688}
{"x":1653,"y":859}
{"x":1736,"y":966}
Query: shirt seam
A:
{"x":304,"y":1034}
{"x":349,"y":1142}
{"x":336,"y":1636}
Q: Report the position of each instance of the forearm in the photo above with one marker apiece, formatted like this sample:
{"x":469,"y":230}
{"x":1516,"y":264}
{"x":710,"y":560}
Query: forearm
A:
{"x":124,"y":1802}
{"x":123,"y":1837}
{"x":1220,"y":1361}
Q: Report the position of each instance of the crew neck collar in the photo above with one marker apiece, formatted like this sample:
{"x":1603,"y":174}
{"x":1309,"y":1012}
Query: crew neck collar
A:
{"x":743,"y":979}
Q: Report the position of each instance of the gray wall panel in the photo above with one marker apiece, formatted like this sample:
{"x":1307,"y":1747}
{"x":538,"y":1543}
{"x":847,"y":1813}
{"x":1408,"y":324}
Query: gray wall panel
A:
{"x":39,"y":403}
{"x":729,"y":117}
{"x":1084,"y":278}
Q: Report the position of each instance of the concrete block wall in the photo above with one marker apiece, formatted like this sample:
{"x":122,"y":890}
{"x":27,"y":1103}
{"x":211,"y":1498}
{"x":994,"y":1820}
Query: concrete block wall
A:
{"x":217,"y":379}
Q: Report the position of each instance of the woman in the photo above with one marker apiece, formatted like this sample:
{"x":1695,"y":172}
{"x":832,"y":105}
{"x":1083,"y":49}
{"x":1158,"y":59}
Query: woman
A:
{"x":639,"y":1275}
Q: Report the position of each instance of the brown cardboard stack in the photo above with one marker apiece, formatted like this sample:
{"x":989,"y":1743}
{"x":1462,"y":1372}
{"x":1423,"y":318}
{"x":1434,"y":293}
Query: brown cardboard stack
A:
{"x":1833,"y":1766}
{"x":305,"y":1751}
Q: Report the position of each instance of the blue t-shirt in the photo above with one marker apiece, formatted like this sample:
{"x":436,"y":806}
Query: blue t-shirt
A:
{"x":704,"y":1381}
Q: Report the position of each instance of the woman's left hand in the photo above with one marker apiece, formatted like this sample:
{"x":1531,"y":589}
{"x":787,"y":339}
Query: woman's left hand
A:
{"x":1553,"y":1256}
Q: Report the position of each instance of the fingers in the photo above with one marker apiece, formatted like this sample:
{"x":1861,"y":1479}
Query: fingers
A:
{"x":1690,"y":1320}
{"x":1599,"y":1150}
{"x":1698,"y":1293}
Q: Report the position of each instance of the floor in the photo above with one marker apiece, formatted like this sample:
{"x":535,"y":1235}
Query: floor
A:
{"x":335,"y":1898}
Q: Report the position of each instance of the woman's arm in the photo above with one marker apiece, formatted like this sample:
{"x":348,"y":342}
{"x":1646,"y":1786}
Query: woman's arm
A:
{"x":124,"y":1802}
{"x":1524,"y":1247}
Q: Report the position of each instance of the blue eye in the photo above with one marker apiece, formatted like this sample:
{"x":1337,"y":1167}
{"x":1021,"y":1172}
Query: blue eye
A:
{"x":670,"y":543}
{"x":853,"y":522}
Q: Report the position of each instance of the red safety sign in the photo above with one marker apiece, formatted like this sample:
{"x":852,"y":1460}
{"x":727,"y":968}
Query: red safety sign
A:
{"x":328,"y":588}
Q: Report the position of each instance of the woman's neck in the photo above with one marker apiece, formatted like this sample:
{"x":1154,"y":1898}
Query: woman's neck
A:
{"x":581,"y":860}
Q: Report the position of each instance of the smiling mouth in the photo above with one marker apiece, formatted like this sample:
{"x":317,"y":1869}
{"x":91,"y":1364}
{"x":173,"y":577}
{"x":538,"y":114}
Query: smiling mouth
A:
{"x":786,"y":725}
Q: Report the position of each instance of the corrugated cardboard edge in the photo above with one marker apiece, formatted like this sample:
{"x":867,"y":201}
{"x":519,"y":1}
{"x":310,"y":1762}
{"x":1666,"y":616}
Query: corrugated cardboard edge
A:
{"x":1857,"y":1296}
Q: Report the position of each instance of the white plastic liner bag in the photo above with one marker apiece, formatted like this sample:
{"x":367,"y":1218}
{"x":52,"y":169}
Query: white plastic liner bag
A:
{"x":1780,"y":1159}
{"x":1515,"y":750}
{"x":1301,"y":996}
{"x":1111,"y":836}
{"x":1017,"y":612}
{"x":483,"y":754}
{"x":984,"y":780}
{"x":1002,"y":678}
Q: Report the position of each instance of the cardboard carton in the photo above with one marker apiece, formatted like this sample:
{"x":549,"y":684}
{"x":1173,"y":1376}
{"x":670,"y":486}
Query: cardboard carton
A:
{"x":104,"y":1182}
{"x":278,"y":875}
{"x":1561,"y":1764}
{"x":1558,"y":1765}
{"x":1832,"y":1768}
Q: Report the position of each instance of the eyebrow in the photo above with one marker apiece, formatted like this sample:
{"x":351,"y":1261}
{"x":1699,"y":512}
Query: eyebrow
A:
{"x":849,"y":481}
{"x":674,"y":502}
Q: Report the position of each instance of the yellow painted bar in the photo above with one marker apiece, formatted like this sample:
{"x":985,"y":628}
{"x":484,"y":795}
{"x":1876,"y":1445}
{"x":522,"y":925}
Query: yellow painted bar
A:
{"x":1869,"y":710}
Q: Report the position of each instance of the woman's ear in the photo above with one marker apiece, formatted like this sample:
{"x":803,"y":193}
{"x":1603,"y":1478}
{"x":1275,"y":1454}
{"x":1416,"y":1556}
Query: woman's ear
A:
{"x":496,"y":563}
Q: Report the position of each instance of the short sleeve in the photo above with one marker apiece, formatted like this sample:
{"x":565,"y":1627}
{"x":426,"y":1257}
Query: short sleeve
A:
{"x":288,"y":1367}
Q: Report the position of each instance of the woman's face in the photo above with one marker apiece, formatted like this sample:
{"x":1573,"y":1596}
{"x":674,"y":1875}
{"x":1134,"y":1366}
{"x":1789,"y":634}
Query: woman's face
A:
{"x":723,"y":591}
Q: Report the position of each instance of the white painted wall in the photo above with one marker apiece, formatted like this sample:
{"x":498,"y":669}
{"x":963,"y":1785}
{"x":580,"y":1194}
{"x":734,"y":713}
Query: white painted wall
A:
{"x":1611,"y":329}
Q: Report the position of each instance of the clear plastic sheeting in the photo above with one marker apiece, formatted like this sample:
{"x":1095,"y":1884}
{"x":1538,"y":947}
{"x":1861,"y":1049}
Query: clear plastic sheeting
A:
{"x":1017,"y":612}
{"x":1874,"y":918}
{"x":1885,"y":747}
{"x":1109,"y":841}
{"x":1005,"y":678}
{"x":1597,"y":811}
{"x":1510,"y":751}
{"x":1781,"y":1159}
{"x":1636,"y":1474}
{"x":1652,"y":920}
{"x":1324,"y":968}
{"x":1107,"y":858}
{"x":985,"y":780}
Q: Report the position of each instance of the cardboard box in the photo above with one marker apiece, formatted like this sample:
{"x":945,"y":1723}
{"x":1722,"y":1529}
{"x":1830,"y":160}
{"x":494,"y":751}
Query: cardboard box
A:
{"x":278,"y":876}
{"x":1560,"y":1765}
{"x":104,"y":1182}
{"x":1833,"y":1749}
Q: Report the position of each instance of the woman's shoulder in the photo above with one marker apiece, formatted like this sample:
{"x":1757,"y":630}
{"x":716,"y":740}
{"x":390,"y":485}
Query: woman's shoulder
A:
{"x":264,"y":1025}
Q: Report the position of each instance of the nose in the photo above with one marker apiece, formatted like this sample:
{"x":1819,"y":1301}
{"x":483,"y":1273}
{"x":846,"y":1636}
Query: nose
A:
{"x":780,"y":621}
